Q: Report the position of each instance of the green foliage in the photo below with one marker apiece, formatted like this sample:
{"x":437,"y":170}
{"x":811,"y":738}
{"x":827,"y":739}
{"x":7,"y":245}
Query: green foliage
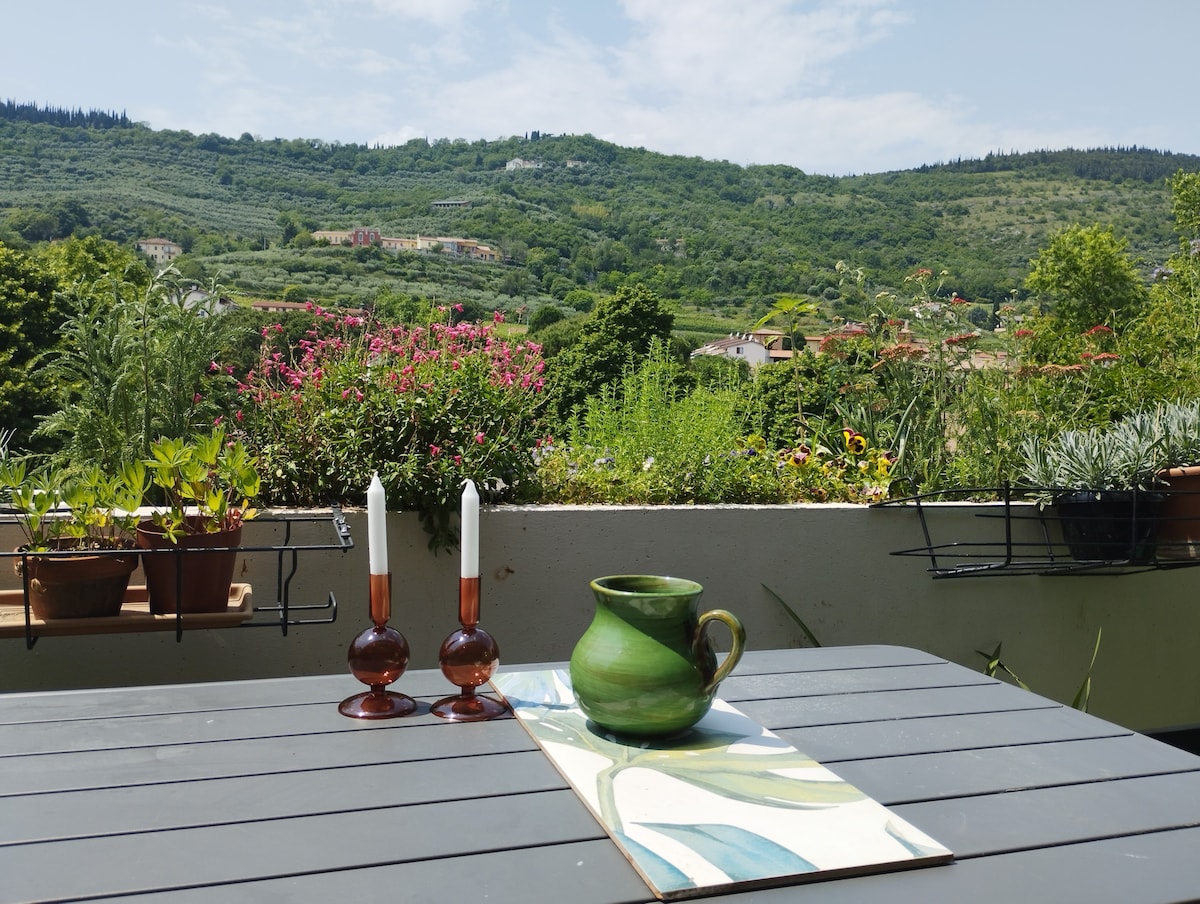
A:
{"x":73,"y":509}
{"x":620,"y":329}
{"x":558,"y":337}
{"x":658,"y":438}
{"x":995,"y":665}
{"x":791,"y":310}
{"x":28,"y":320}
{"x":91,"y":260}
{"x":208,"y":484}
{"x":1090,"y":274}
{"x":136,"y":364}
{"x":425,"y":407}
{"x":647,"y":440}
{"x":1185,"y":203}
{"x":544,"y":317}
{"x":1128,"y":454}
{"x":650,"y":244}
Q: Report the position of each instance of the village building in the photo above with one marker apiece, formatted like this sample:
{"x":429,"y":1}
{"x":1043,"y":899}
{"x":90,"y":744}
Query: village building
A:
{"x":755,"y":348}
{"x":161,"y":251}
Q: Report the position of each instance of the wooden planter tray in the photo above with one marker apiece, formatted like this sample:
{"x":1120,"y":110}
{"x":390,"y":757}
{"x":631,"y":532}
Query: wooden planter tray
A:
{"x":134,"y":616}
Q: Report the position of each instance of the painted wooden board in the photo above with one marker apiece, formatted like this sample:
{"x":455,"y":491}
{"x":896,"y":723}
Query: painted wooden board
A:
{"x":726,"y":805}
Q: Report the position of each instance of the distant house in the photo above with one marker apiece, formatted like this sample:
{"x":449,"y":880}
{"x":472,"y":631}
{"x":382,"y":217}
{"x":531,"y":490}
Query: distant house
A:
{"x":518,"y":164}
{"x":449,"y":204}
{"x":738,"y":346}
{"x":198,"y":299}
{"x":279,"y":307}
{"x":759,"y":347}
{"x":356,"y":237}
{"x":160,"y":251}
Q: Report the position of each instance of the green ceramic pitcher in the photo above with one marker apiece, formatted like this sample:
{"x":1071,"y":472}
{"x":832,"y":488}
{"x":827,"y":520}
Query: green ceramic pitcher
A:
{"x":646,"y":665}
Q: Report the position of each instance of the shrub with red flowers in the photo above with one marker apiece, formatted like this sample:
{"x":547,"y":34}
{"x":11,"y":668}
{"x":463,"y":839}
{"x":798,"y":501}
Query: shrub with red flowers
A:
{"x":425,"y":407}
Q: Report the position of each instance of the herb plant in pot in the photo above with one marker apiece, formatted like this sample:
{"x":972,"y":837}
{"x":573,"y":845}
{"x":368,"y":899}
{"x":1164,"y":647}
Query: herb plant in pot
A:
{"x":208,"y":486}
{"x":79,"y":529}
{"x":1103,"y":486}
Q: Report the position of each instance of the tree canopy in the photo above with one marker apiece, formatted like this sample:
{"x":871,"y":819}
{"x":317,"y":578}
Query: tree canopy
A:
{"x":1089,"y":272}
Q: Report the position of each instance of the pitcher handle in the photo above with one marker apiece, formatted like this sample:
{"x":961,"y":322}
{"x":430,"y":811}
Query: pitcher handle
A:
{"x":736,"y":631}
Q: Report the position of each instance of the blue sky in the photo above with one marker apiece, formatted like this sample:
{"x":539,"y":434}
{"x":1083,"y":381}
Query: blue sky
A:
{"x":829,"y":86}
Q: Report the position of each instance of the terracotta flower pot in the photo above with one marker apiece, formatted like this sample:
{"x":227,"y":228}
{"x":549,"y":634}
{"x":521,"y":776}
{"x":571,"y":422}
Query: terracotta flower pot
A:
{"x":84,"y":586}
{"x":1179,"y":517}
{"x":192,"y":575}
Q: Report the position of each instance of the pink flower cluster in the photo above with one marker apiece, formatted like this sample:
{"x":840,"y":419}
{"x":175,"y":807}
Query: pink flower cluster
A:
{"x":405,"y":358}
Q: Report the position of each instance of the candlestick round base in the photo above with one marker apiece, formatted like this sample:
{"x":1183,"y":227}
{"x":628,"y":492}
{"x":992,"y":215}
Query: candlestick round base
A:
{"x":377,"y":703}
{"x":468,"y":707}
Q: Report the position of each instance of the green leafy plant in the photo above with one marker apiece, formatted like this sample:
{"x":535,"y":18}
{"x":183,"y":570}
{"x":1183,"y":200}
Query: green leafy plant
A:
{"x":1124,"y":457}
{"x":208,"y":484}
{"x":652,"y":440}
{"x":1179,"y":427}
{"x":61,"y":510}
{"x":136,"y":362}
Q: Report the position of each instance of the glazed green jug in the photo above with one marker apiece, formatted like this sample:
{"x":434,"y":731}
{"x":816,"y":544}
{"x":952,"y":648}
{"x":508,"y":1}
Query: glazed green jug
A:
{"x":646,"y":666}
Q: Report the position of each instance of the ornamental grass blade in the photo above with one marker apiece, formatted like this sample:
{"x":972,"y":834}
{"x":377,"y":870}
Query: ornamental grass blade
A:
{"x":1085,"y":690}
{"x":812,"y":638}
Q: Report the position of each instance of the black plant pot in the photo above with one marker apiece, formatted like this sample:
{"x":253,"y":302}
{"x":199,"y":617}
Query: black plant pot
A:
{"x":1110,"y":526}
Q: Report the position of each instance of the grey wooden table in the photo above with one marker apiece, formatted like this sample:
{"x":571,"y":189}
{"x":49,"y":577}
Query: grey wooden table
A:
{"x":260,"y":791}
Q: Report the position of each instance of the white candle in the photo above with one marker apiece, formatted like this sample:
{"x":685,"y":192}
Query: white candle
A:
{"x":470,"y":531}
{"x":377,"y":527}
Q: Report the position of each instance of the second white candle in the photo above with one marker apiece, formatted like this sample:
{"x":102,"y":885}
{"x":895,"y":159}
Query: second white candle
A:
{"x":470,"y":531}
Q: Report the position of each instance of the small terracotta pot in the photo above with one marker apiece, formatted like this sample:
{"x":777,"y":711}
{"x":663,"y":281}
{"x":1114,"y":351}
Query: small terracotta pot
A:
{"x":84,"y":586}
{"x":1179,"y":517}
{"x":192,"y":575}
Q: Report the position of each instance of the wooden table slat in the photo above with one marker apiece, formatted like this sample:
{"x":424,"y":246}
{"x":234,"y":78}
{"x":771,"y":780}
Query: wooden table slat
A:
{"x":1044,"y":817}
{"x":742,"y":686}
{"x":41,"y":817}
{"x":1146,"y":869}
{"x":917,"y":777}
{"x":841,"y":709}
{"x":234,"y":852}
{"x":833,"y":744}
{"x":387,"y":743}
{"x":583,"y":872}
{"x":116,"y":703}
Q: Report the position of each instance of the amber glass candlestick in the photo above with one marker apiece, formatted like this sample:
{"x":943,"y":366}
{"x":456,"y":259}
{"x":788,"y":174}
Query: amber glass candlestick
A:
{"x":469,"y":657}
{"x":378,"y":657}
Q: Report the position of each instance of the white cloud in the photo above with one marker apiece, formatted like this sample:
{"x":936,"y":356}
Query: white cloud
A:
{"x":442,"y":15}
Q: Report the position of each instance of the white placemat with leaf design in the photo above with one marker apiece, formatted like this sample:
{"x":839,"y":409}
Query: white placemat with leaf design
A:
{"x":726,"y":805}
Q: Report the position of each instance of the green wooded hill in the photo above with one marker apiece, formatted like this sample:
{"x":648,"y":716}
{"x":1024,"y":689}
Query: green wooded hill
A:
{"x":720,"y":240}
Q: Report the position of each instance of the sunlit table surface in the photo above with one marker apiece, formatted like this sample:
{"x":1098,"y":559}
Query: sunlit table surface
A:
{"x":261,"y":791}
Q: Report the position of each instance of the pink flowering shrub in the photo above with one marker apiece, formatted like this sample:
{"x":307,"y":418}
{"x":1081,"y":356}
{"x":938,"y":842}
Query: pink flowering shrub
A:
{"x":426,"y":407}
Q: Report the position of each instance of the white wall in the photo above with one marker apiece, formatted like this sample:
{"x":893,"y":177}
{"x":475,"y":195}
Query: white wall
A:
{"x":830,"y":562}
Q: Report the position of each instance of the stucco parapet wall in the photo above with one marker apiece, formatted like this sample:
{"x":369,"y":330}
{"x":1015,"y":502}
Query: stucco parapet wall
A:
{"x":831,"y":563}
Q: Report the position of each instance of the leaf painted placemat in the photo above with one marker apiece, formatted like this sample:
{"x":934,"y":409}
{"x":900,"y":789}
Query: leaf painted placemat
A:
{"x":725,"y":805}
